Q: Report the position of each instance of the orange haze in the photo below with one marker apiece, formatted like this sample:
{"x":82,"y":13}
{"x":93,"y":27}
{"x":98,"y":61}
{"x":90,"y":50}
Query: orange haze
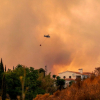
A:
{"x":74,"y":27}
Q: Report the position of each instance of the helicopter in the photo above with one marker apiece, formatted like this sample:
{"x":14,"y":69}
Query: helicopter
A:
{"x":47,"y":36}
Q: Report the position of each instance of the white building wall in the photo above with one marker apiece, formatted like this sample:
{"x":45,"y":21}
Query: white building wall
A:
{"x":67,"y":74}
{"x":73,"y":76}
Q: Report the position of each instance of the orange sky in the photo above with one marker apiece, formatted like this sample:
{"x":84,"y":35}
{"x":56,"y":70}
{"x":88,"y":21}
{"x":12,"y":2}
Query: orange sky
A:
{"x":72,"y":24}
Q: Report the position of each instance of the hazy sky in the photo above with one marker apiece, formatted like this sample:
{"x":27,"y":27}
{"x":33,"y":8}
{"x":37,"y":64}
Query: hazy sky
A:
{"x":74,"y":27}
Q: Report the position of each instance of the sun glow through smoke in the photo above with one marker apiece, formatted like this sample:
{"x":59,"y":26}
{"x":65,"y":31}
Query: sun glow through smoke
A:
{"x":72,"y":25}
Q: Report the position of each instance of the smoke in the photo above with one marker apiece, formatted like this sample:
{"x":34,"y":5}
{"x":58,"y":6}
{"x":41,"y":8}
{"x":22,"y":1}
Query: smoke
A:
{"x":73,"y":27}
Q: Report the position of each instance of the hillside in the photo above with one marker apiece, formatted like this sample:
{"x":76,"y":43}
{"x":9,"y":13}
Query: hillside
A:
{"x":89,"y":89}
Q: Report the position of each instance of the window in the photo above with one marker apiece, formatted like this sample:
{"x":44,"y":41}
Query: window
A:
{"x":78,"y":77}
{"x":64,"y":77}
{"x":69,"y":76}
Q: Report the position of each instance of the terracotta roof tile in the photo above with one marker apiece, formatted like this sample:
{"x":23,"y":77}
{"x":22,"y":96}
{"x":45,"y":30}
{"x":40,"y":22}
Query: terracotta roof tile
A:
{"x":68,"y":79}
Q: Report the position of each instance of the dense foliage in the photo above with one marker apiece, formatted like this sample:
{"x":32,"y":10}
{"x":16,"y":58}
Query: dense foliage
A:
{"x":60,"y":83}
{"x":47,"y":83}
{"x":89,"y":89}
{"x":23,"y":77}
{"x":25,"y":82}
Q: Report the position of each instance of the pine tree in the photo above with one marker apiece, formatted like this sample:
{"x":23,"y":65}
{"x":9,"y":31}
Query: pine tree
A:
{"x":13,"y":67}
{"x":5,"y":68}
{"x":1,"y":72}
{"x":1,"y":66}
{"x":3,"y":88}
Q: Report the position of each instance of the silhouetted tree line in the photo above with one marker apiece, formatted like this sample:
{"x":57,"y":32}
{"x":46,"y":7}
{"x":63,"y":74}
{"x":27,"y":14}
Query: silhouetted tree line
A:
{"x":2,"y":81}
{"x":25,"y":82}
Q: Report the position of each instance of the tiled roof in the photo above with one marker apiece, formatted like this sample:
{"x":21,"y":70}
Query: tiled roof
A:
{"x":87,"y":73}
{"x":69,"y":79}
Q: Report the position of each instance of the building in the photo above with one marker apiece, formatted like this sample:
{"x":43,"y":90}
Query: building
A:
{"x":71,"y":76}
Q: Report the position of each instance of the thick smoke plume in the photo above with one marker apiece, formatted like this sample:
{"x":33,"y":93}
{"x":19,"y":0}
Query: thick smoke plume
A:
{"x":72,"y":24}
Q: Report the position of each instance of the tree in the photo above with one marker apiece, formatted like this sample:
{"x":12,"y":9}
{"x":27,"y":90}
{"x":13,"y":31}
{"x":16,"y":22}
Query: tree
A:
{"x":54,"y":76}
{"x":13,"y":84}
{"x":13,"y":81}
{"x":58,"y":77}
{"x":32,"y":86}
{"x":64,"y":77}
{"x":60,"y":82}
{"x":41,"y":70}
{"x":97,"y":71}
{"x":1,"y":66}
{"x":3,"y":88}
{"x":5,"y":68}
{"x":49,"y":83}
{"x":1,"y":72}
{"x":13,"y":67}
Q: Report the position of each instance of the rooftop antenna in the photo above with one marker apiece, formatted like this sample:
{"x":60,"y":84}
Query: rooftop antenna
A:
{"x":46,"y":69}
